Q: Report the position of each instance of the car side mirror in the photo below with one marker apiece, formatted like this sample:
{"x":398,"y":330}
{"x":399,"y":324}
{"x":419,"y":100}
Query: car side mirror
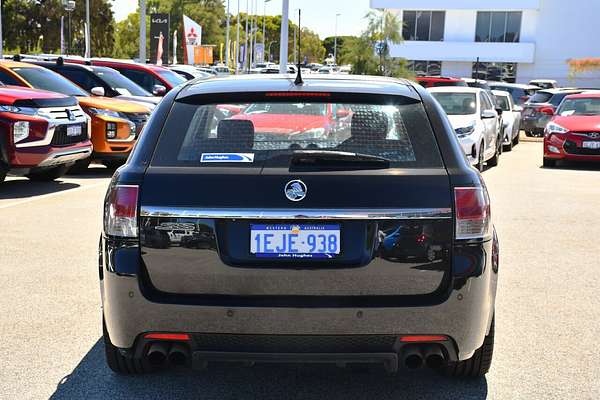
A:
{"x":547,"y":110}
{"x":159,"y":90}
{"x":98,"y":91}
{"x":518,"y":109}
{"x":499,"y":111}
{"x":487,"y":114}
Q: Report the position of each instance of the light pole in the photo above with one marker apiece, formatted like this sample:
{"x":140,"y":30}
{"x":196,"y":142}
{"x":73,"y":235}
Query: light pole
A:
{"x":227,"y":38}
{"x":246,"y":52}
{"x":264,"y":24}
{"x":69,"y":7}
{"x":1,"y":40}
{"x":142,"y":55}
{"x":283,"y":43}
{"x":295,"y":33}
{"x":88,"y":31}
{"x":335,"y":39}
{"x":237,"y":41}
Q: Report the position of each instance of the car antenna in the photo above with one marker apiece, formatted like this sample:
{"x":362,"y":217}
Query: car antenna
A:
{"x":299,"y":80}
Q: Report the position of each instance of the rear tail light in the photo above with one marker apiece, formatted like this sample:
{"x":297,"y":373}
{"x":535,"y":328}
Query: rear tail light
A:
{"x":473,"y":219}
{"x":423,"y":338}
{"x":120,"y":211}
{"x":167,"y":336}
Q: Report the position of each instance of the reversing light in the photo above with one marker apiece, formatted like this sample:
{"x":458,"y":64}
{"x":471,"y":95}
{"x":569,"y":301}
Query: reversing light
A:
{"x":167,"y":336}
{"x":111,"y":130}
{"x":120,"y":211}
{"x":473,"y":219}
{"x":423,"y":338}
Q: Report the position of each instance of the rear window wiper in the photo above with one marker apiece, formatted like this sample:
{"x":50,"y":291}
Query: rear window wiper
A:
{"x":337,"y":159}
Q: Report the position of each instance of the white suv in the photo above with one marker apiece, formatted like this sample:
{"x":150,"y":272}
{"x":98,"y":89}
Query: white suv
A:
{"x":475,"y":120}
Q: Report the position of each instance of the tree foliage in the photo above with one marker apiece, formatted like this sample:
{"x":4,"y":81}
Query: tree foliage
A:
{"x":33,"y":26}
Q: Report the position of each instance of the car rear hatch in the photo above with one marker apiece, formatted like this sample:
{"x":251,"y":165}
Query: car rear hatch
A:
{"x":365,"y":199}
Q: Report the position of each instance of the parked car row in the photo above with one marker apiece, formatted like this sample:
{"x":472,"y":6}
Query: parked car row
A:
{"x":59,"y":114}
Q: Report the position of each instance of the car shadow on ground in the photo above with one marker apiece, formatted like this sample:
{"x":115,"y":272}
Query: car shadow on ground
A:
{"x":575,"y":166}
{"x":24,"y":188}
{"x":91,"y":379}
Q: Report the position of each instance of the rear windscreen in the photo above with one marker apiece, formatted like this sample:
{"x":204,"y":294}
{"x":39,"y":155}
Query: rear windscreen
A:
{"x":268,"y":133}
{"x":540,"y":97}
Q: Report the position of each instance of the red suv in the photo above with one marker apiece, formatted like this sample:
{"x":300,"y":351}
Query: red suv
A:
{"x":436,"y":81}
{"x":573,"y":133}
{"x":41,"y":133}
{"x":156,"y":80}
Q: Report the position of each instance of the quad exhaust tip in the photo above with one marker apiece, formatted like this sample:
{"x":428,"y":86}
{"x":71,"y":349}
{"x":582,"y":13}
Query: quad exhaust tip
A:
{"x":178,"y":355}
{"x":431,"y":356}
{"x":157,"y":353}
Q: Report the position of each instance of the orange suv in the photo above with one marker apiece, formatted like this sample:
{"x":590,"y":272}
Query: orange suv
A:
{"x":115,"y":123}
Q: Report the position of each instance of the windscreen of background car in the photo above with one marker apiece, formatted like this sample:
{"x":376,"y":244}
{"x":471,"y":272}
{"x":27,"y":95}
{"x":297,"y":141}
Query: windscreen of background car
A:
{"x":503,"y":103}
{"x":582,"y":106}
{"x":540,"y":97}
{"x":457,"y":103}
{"x":171,"y":77}
{"x":268,"y":133}
{"x":41,"y":78}
{"x":121,"y":84}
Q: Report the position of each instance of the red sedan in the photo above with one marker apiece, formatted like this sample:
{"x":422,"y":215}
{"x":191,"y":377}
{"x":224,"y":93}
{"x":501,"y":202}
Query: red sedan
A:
{"x":574,"y":131}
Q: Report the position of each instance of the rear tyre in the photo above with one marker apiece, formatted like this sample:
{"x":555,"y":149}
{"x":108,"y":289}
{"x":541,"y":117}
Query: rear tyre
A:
{"x":509,"y":146}
{"x":476,"y":366}
{"x":2,"y":176}
{"x":80,"y":166}
{"x":113,"y":164}
{"x":549,"y":163}
{"x":480,"y":159}
{"x":516,"y":139}
{"x":493,"y":162}
{"x":118,"y":362}
{"x":48,"y":174}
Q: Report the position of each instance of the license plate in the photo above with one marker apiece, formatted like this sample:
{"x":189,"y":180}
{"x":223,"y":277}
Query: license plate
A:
{"x":591,"y":145}
{"x":74,"y":130}
{"x":295,"y":241}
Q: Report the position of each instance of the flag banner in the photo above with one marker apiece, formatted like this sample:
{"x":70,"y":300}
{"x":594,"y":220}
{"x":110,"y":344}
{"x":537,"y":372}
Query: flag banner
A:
{"x":159,"y":31}
{"x":193,"y":37}
{"x":259,"y":53}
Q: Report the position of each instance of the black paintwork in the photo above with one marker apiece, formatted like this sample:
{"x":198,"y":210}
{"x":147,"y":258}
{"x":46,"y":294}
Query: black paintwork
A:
{"x":414,"y":267}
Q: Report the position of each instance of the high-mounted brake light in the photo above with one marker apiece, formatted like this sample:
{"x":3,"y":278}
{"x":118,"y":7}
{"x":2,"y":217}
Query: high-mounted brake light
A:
{"x":120,"y":211}
{"x":473,"y":220}
{"x":298,"y":94}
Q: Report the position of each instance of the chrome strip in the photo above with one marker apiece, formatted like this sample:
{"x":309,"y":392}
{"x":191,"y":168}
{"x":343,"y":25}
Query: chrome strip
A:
{"x":61,"y":157}
{"x":308,"y":213}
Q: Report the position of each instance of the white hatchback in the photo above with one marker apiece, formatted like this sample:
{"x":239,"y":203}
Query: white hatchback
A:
{"x":475,"y":120}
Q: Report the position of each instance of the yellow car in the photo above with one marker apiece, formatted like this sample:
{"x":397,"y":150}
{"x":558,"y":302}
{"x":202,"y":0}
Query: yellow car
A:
{"x":115,"y":123}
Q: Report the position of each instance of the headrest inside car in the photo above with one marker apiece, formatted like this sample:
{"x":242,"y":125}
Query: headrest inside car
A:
{"x":369,"y":125}
{"x":236,"y":134}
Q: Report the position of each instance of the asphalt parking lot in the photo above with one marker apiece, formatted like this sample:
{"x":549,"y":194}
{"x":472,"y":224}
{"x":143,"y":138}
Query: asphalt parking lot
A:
{"x":547,"y":315}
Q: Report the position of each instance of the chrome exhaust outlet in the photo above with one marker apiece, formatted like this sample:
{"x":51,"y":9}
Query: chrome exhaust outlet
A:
{"x":412,"y":357}
{"x":434,"y":358}
{"x":157,"y":353}
{"x":178,"y":355}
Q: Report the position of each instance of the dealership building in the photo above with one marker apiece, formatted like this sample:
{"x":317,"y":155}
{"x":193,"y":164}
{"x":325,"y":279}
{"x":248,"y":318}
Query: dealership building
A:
{"x":514,"y":40}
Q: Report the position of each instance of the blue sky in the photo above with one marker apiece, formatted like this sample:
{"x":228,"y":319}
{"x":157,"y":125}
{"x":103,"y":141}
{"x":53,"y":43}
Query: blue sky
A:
{"x":318,"y":15}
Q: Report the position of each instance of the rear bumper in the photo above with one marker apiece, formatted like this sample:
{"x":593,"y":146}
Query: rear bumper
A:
{"x":535,"y":125}
{"x":464,"y":314}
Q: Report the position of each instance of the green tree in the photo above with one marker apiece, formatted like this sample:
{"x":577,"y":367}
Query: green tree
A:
{"x":32,"y":25}
{"x":384,"y":28}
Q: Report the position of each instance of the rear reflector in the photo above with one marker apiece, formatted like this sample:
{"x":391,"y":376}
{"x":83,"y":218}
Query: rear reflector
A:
{"x":472,"y":212}
{"x":167,"y":336}
{"x":120,"y":211}
{"x":423,"y":338}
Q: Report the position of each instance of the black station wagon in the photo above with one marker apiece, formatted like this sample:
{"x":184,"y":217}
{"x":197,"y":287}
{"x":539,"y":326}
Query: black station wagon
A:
{"x":334,"y":220}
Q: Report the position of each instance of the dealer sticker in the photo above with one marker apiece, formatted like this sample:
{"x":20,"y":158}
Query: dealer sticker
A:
{"x":227,"y":157}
